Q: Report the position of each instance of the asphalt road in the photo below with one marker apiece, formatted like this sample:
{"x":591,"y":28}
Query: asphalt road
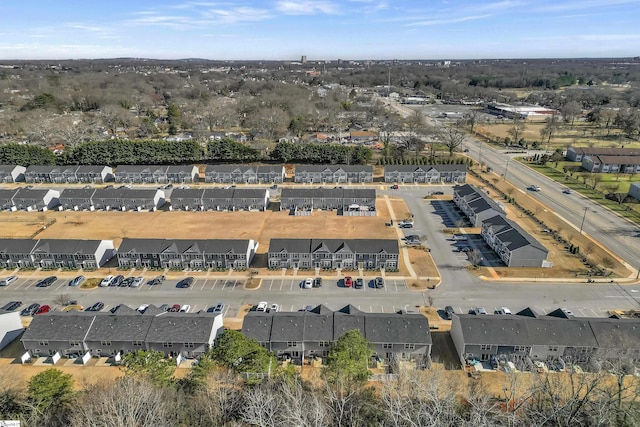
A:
{"x":619,"y":235}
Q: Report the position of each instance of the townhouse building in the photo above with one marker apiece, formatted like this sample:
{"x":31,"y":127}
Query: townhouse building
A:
{"x":55,"y":253}
{"x":156,"y":174}
{"x":186,"y":254}
{"x":68,"y":174}
{"x":12,"y":173}
{"x":247,"y":174}
{"x":475,"y":204}
{"x":310,"y":334}
{"x":347,"y":199}
{"x":320,"y":174}
{"x":347,"y":254}
{"x":514,"y":246}
{"x":450,"y":173}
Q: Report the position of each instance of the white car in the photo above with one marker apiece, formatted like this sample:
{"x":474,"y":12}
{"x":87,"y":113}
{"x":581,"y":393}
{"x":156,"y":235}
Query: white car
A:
{"x":534,"y":188}
{"x":137,"y":281}
{"x":262,"y":306}
{"x":274,"y":308}
{"x":8,"y":280}
{"x":504,"y":310}
{"x":308,"y":283}
{"x":185,"y":308}
{"x":106,"y":281}
{"x":143,"y":307}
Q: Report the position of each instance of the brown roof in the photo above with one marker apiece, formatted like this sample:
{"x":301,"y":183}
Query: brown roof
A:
{"x":619,"y":160}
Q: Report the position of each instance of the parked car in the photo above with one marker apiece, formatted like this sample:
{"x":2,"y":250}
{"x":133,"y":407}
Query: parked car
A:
{"x":317,"y":283}
{"x":359,"y":283}
{"x":117,"y":280}
{"x":137,"y":281}
{"x":308,"y":283}
{"x":567,"y":312}
{"x":185,"y":283}
{"x":76,"y":281}
{"x":8,"y":280}
{"x":274,"y":308}
{"x":459,"y":237}
{"x":219,"y":308}
{"x":481,"y":310}
{"x":394,"y":187}
{"x":438,"y":193}
{"x":504,"y":310}
{"x":43,"y":309}
{"x":143,"y":307}
{"x":157,"y":280}
{"x":348,"y":281}
{"x":30,"y":310}
{"x":379,"y":282}
{"x":174,"y":308}
{"x":46,"y":282}
{"x":406,"y":225}
{"x":12,"y":306}
{"x":96,"y":307}
{"x":448,"y":311}
{"x":262,"y":306}
{"x":106,"y":281}
{"x":126,"y":282}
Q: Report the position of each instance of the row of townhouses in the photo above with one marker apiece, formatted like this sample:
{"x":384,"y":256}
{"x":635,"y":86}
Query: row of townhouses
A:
{"x":220,"y":199}
{"x":231,"y":173}
{"x":606,"y":160}
{"x":29,"y":199}
{"x":347,"y":254}
{"x":514,"y":246}
{"x":300,"y":335}
{"x":341,"y":199}
{"x":186,"y":254}
{"x":555,"y":337}
{"x":454,"y":173}
{"x":125,"y":331}
{"x":111,"y":199}
{"x":55,"y":253}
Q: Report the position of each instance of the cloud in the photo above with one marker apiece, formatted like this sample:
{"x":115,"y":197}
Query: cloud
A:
{"x":582,"y":5}
{"x":444,"y":21}
{"x":307,"y":7}
{"x":201,"y":17}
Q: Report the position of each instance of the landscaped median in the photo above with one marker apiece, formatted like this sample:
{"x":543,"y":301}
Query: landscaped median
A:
{"x":91,"y":283}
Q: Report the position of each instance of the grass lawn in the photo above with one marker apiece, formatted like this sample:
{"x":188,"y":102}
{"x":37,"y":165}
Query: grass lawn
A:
{"x":630,"y":211}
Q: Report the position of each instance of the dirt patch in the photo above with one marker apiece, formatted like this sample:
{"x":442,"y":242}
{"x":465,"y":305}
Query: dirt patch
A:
{"x":422,"y":262}
{"x":16,"y":225}
{"x":90,"y":283}
{"x":253,"y":283}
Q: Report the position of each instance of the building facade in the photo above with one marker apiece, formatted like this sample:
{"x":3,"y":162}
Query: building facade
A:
{"x":434,"y":174}
{"x":55,"y":253}
{"x":320,"y":174}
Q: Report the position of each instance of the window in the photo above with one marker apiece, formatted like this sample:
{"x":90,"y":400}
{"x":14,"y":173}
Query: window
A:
{"x":105,"y":342}
{"x":387,"y":345}
{"x":323,"y":343}
{"x":73,"y":343}
{"x":43,"y":343}
{"x":485,"y":347}
{"x":167,"y":344}
{"x":189,"y":345}
{"x":520,"y":348}
{"x":137,"y":343}
{"x":292,"y":344}
{"x":409,"y":346}
{"x":553,"y":348}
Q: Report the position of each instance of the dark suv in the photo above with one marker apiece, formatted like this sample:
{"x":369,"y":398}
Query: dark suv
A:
{"x":379,"y":282}
{"x":448,"y":311}
{"x":47,"y":282}
{"x":12,"y":306}
{"x":185,"y":283}
{"x":156,"y":281}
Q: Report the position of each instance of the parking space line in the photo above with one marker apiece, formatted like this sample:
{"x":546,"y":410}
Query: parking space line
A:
{"x":215,"y":282}
{"x":61,"y":285}
{"x":204,"y":284}
{"x":22,"y":284}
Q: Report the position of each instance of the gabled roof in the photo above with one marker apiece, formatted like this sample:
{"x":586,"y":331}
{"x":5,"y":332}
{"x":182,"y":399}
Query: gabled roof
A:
{"x":214,"y":169}
{"x":31,"y":193}
{"x":182,"y":328}
{"x":290,"y":245}
{"x":59,"y":326}
{"x":7,"y":169}
{"x":17,"y":246}
{"x":287,"y":326}
{"x":369,"y":246}
{"x":616,"y":333}
{"x":7,"y":194}
{"x":45,"y":169}
{"x":397,"y":328}
{"x":257,"y":325}
{"x":217,"y":193}
{"x":249,"y":193}
{"x":119,"y":327}
{"x":187,"y":169}
{"x":181,"y":246}
{"x":187,"y":193}
{"x":77,"y":193}
{"x":67,"y":246}
{"x":93,"y":169}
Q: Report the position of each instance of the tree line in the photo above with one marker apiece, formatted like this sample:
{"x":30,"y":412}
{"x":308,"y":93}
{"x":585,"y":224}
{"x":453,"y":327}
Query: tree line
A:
{"x":238,"y":383}
{"x":134,"y":152}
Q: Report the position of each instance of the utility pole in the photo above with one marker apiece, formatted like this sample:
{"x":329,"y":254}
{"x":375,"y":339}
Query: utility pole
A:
{"x":506,"y":168}
{"x":583,"y":218}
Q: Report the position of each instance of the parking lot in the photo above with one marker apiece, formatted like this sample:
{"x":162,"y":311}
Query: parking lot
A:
{"x":287,"y":285}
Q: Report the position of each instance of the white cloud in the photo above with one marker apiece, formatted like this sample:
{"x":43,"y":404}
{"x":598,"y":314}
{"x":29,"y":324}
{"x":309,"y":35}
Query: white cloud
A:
{"x":444,"y":21}
{"x":201,"y":17}
{"x":307,"y":7}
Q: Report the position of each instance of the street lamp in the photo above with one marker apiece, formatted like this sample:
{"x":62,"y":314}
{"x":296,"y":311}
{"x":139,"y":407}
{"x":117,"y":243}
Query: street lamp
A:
{"x":583,"y":218}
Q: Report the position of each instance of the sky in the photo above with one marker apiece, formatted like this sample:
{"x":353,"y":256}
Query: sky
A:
{"x":319,"y":29}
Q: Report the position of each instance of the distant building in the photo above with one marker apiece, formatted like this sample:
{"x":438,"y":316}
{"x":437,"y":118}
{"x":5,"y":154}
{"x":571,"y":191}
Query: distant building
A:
{"x":11,"y":173}
{"x":452,"y":173}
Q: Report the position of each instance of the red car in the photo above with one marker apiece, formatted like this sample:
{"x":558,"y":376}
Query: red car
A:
{"x":348,"y":281}
{"x":175,"y":308}
{"x":43,"y":309}
{"x":394,"y":187}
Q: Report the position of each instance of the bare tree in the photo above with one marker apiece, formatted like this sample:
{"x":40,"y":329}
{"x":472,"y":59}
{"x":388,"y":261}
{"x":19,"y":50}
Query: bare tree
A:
{"x":517,"y":128}
{"x":551,"y":126}
{"x":75,"y":133}
{"x":451,"y":137}
{"x":126,"y":402}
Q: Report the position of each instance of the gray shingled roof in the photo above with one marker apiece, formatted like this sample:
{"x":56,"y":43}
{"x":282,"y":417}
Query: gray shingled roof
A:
{"x":616,"y":333}
{"x":67,"y":246}
{"x":187,"y":193}
{"x":318,"y":324}
{"x":6,"y":169}
{"x":218,"y":193}
{"x":257,"y":325}
{"x":7,"y":194}
{"x":59,"y":326}
{"x":91,"y":169}
{"x":249,"y":193}
{"x":290,"y":245}
{"x":397,"y":328}
{"x":181,"y":327}
{"x":31,"y":193}
{"x":77,"y":193}
{"x":287,"y":327}
{"x":17,"y":246}
{"x":119,"y":327}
